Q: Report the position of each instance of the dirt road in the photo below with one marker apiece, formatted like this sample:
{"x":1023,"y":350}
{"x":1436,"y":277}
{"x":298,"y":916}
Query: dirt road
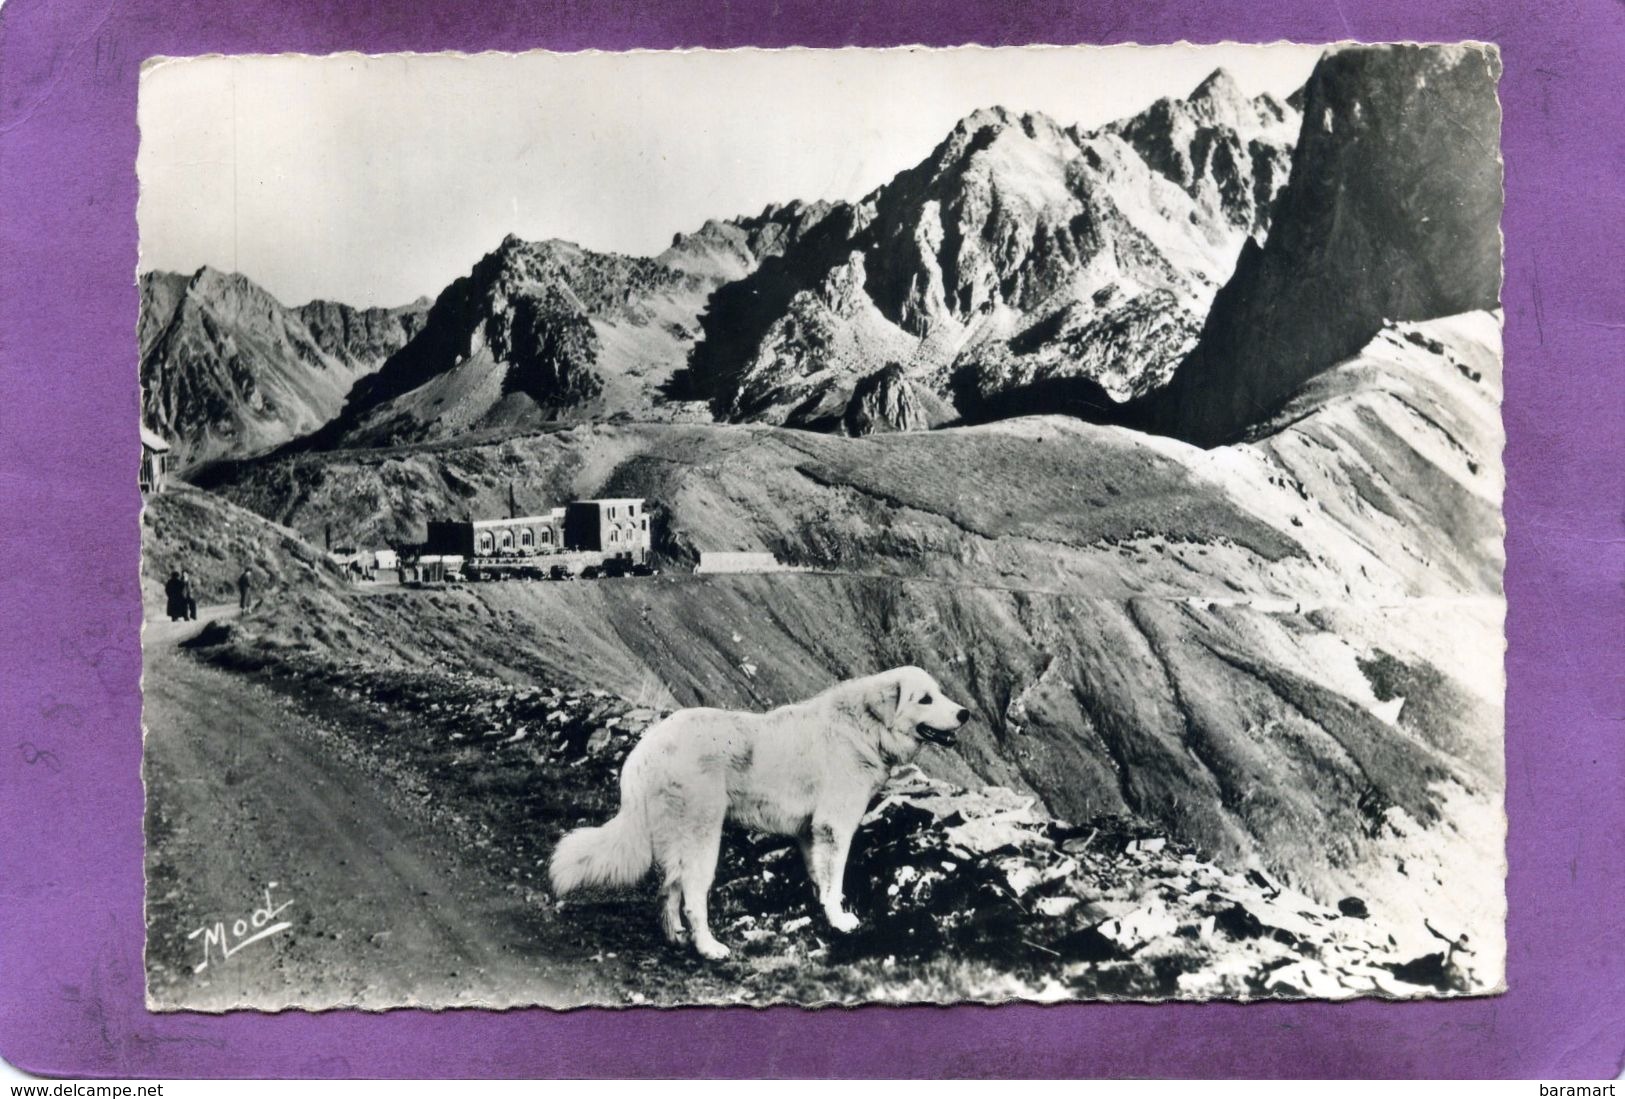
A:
{"x":253,"y":807}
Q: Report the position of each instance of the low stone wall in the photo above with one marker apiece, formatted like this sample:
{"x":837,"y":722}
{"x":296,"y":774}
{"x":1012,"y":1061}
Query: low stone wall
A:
{"x":726,"y":562}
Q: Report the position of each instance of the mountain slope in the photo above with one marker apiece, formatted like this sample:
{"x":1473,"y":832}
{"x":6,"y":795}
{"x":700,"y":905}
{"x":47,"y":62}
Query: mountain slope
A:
{"x":1392,"y":213}
{"x":1016,"y":253}
{"x":228,"y":371}
{"x":214,"y":540}
{"x":722,"y":251}
{"x":547,"y":331}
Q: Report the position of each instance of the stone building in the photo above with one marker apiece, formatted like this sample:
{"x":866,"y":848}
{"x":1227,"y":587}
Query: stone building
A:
{"x":521,"y":536}
{"x":599,"y":529}
{"x":616,"y":527}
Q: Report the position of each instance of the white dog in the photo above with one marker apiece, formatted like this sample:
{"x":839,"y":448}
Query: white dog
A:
{"x":805,"y":770}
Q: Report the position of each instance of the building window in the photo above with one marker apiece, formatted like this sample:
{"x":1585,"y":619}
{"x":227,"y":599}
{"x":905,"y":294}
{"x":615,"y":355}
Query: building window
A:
{"x":507,"y":540}
{"x":547,"y":536}
{"x":631,"y":509}
{"x":612,"y":512}
{"x":614,"y":536}
{"x":645,"y":524}
{"x":527,"y":540}
{"x":485,"y":543}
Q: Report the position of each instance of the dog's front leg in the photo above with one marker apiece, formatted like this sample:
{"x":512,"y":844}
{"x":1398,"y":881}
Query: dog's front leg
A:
{"x":812,"y":856}
{"x":832,"y":840}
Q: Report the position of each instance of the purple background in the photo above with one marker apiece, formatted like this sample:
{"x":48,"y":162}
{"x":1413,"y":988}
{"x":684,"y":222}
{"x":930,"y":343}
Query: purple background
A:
{"x":70,"y":838}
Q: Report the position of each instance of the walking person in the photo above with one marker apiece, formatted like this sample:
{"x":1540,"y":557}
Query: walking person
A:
{"x":188,"y":596}
{"x":243,"y":583}
{"x":174,"y":596}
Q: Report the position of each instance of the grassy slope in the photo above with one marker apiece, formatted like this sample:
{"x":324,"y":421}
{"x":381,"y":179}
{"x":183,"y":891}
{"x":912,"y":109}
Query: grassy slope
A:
{"x":183,"y":528}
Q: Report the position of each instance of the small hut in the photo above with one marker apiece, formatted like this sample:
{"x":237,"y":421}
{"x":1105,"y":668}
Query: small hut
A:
{"x":154,"y":461}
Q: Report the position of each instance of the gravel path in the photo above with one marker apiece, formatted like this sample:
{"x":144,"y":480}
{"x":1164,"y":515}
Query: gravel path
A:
{"x":245,"y":790}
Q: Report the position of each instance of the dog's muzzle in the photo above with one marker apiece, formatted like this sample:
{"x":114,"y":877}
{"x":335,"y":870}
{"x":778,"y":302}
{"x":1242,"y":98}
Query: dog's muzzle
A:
{"x":944,"y":737}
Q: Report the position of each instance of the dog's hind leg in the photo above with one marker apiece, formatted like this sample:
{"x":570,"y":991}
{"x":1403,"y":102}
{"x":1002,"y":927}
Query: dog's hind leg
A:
{"x":699,"y":867}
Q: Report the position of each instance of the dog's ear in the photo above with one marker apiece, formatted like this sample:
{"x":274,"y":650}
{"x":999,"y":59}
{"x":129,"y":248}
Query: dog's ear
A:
{"x":884,"y":699}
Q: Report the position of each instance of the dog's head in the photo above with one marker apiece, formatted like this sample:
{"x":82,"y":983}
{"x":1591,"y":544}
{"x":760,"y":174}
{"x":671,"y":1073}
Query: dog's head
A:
{"x":913,"y":708}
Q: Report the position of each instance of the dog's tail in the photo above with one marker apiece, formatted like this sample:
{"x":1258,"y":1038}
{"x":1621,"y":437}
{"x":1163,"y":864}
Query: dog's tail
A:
{"x":616,"y":853}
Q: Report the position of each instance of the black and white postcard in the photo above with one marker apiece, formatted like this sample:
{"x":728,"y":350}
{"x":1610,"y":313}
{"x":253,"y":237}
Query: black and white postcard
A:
{"x":822,"y":526}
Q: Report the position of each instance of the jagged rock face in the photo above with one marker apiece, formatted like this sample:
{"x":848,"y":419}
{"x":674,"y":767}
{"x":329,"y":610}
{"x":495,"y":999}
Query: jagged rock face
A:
{"x":363,"y":337}
{"x":552,"y":348}
{"x":227,"y":370}
{"x":161,"y":294}
{"x":522,"y":336}
{"x":888,"y":401}
{"x":1392,"y":213}
{"x":1018,"y":253}
{"x":981,"y":222}
{"x":808,"y":357}
{"x":1229,"y":153}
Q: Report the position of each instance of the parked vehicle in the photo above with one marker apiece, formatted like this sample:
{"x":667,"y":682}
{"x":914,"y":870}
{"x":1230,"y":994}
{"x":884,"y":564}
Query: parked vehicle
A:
{"x":591,"y":572}
{"x":560,"y":572}
{"x":643,"y":568}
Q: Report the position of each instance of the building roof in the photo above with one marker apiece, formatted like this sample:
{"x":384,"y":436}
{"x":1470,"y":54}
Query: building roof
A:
{"x":613,"y":500}
{"x":152,"y":440}
{"x":556,"y":512}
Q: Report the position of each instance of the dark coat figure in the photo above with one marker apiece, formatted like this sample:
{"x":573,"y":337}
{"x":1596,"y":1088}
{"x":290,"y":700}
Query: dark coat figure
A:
{"x":243,"y":583}
{"x":175,"y":596}
{"x":188,"y":597}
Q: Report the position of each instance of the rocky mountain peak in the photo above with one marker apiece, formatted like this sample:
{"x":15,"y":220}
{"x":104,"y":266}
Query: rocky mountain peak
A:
{"x":229,"y":291}
{"x":888,"y":400}
{"x":1217,"y":85}
{"x":1230,"y":153}
{"x":207,"y":277}
{"x":1273,"y":110}
{"x":549,"y":330}
{"x":1219,"y":98}
{"x":1017,"y":252}
{"x":984,"y":118}
{"x":1007,"y":132}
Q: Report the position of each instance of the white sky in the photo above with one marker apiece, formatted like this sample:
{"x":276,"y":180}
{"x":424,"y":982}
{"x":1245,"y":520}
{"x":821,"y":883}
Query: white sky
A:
{"x":372,"y":180}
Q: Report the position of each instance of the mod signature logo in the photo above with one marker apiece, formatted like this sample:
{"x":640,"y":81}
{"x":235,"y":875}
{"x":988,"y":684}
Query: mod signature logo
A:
{"x":257,"y":925}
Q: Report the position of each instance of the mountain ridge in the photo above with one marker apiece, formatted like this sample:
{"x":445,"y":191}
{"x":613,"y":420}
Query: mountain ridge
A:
{"x":1012,"y":237}
{"x":1017,"y":254}
{"x":227,"y":370}
{"x":1021,"y":267}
